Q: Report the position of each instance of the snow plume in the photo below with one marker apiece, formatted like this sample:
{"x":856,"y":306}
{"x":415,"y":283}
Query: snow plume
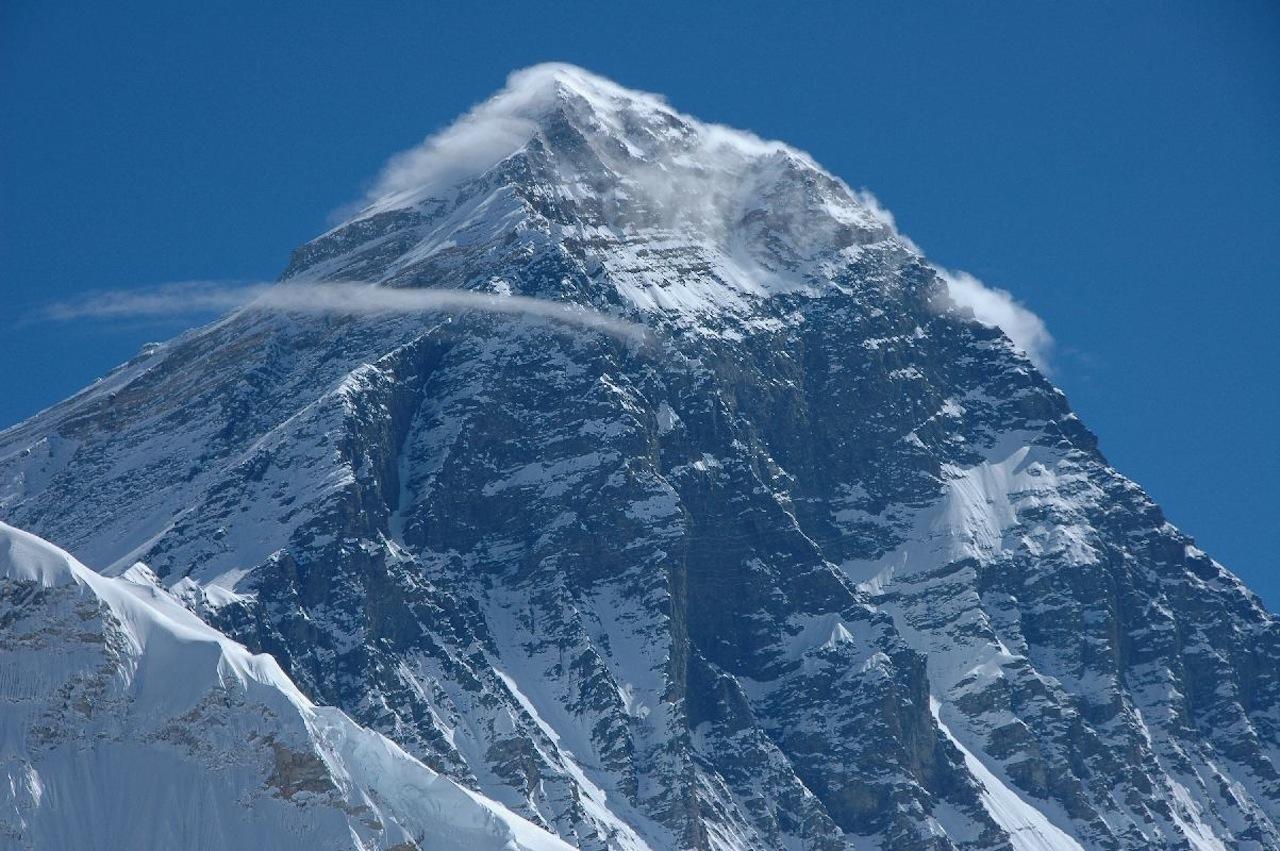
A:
{"x":333,"y":298}
{"x":998,"y":308}
{"x":660,"y":166}
{"x":688,"y":169}
{"x":488,"y":133}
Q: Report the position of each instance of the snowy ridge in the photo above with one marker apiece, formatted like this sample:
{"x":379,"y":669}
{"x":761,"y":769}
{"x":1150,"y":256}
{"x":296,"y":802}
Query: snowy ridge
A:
{"x":173,"y":735}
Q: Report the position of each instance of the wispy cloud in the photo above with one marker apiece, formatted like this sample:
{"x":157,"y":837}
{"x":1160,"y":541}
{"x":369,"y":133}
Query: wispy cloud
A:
{"x":998,"y":308}
{"x":193,"y":298}
{"x":183,"y":298}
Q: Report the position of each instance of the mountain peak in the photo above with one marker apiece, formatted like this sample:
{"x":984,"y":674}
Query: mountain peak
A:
{"x":532,"y":101}
{"x":628,"y":131}
{"x":548,"y":82}
{"x":561,"y":156}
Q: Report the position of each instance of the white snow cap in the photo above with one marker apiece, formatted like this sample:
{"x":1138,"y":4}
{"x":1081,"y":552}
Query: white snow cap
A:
{"x":503,"y":124}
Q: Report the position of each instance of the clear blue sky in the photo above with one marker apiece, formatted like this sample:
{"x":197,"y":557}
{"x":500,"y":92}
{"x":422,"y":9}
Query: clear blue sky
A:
{"x":1116,"y":166}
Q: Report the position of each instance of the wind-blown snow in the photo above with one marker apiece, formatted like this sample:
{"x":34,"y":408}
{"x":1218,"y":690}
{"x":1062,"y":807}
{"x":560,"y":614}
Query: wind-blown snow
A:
{"x":998,"y":308}
{"x":684,"y":170}
{"x":501,"y":125}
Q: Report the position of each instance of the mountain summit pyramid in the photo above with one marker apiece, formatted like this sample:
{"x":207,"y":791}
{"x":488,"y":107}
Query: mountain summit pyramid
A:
{"x":827,"y":564}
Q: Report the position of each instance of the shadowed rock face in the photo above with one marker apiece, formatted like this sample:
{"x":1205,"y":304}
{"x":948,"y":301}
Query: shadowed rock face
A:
{"x":830,"y":565}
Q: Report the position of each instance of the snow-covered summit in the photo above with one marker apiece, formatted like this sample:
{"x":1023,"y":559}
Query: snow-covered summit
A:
{"x":565,"y":158}
{"x":543,"y":101}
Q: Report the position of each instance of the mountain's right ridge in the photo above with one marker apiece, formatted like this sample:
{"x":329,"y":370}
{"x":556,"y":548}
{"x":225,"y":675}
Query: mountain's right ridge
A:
{"x":832,"y":565}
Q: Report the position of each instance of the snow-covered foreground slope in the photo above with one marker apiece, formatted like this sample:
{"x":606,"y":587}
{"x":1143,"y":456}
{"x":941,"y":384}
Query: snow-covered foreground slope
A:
{"x":126,"y":722}
{"x":828,"y":565}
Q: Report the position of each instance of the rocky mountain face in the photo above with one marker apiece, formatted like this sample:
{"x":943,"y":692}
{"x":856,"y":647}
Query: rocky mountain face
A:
{"x":825,"y":564}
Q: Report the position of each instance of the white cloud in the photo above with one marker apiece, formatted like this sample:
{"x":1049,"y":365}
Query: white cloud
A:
{"x":998,"y":308}
{"x":190,"y":298}
{"x":184,"y":298}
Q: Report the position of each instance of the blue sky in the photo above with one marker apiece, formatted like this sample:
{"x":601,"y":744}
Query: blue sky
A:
{"x":1115,"y":166}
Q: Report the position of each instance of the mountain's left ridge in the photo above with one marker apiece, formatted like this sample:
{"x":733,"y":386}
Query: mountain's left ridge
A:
{"x":832,"y":565}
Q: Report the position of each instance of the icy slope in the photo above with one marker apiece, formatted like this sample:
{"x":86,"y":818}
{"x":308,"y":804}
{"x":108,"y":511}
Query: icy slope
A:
{"x":129,"y":723}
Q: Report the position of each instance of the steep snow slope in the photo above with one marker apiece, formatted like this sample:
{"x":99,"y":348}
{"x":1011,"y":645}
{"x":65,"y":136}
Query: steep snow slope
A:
{"x":129,"y":723}
{"x":829,"y":565}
